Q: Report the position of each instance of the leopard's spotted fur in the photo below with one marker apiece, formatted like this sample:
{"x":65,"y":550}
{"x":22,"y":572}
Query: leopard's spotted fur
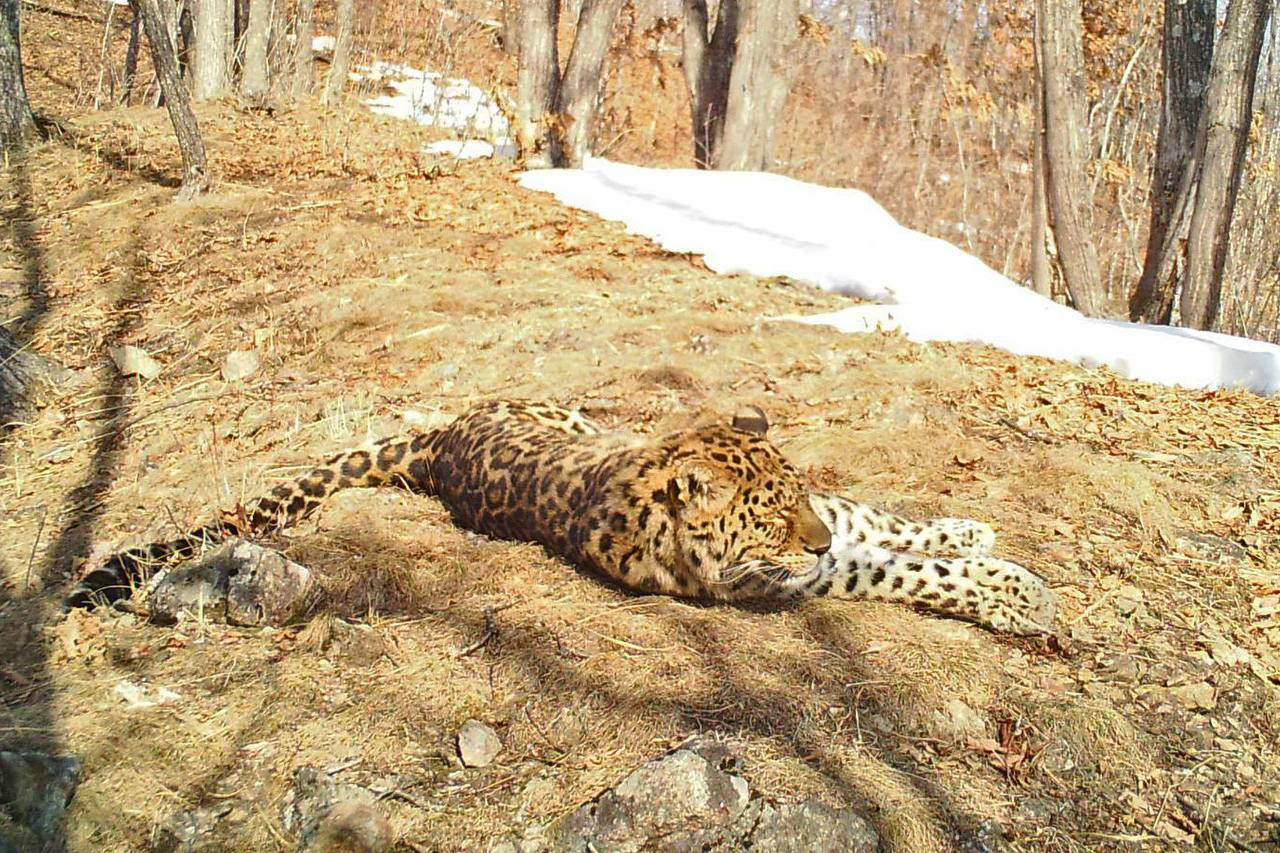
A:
{"x":712,"y":512}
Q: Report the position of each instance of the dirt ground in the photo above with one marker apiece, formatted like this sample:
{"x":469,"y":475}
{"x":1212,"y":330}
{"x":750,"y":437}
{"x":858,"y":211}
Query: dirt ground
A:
{"x":385,"y":290}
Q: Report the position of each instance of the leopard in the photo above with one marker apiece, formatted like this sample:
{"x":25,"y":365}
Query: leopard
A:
{"x":713,"y":511}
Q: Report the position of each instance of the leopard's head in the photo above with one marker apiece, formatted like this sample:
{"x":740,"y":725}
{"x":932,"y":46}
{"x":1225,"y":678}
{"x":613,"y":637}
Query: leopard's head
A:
{"x":733,"y":498}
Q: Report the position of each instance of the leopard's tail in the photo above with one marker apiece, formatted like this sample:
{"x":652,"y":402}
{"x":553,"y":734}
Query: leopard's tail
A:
{"x":403,"y":462}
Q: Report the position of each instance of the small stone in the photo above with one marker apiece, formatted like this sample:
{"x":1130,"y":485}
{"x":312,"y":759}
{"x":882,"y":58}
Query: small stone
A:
{"x":958,"y":721}
{"x":1120,"y":667}
{"x":240,"y":364}
{"x":135,"y":361}
{"x":1195,"y":697}
{"x":139,"y":696}
{"x":1128,"y":600}
{"x":478,"y":744}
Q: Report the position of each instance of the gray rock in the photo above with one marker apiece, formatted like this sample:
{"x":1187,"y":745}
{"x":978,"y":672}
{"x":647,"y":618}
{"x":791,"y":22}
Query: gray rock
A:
{"x":34,"y":791}
{"x":240,"y":364}
{"x":198,"y":588}
{"x":189,"y":831}
{"x":241,"y":582}
{"x":478,"y":744}
{"x":812,"y":825}
{"x":328,"y":815}
{"x":694,"y":799}
{"x":265,"y":587}
{"x":135,"y":361}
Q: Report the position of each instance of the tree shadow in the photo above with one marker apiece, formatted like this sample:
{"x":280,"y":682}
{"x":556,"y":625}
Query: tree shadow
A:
{"x":119,"y":159}
{"x":28,"y":718}
{"x":741,"y":707}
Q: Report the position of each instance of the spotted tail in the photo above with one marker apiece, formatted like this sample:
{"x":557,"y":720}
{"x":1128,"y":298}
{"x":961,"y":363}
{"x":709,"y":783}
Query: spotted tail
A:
{"x":403,"y":462}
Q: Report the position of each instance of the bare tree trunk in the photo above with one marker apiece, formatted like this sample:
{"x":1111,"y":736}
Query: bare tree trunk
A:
{"x":194,"y":164}
{"x":738,"y":78}
{"x":510,"y":36}
{"x":1041,"y":269}
{"x":759,"y":83}
{"x":253,"y":72}
{"x":1186,"y":61}
{"x":341,"y":52}
{"x":1223,"y":136}
{"x":708,"y":61}
{"x":580,"y":86}
{"x":1059,"y":27}
{"x":17,"y":123}
{"x":214,"y":26}
{"x":537,"y":83}
{"x":131,"y":58}
{"x":302,"y":53}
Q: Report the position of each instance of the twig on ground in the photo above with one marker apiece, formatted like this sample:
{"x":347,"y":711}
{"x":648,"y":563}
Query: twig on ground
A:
{"x":490,"y":629}
{"x":31,"y":558}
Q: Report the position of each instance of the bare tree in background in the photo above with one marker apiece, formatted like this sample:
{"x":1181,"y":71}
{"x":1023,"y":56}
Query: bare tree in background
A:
{"x":554,"y":114}
{"x":1062,"y":103}
{"x":194,"y":164}
{"x":303,"y":55}
{"x":16,"y":121}
{"x":341,"y":51}
{"x":739,"y":76}
{"x":1206,"y":108}
{"x":214,"y":32}
{"x":253,"y":71}
{"x":1222,"y":138}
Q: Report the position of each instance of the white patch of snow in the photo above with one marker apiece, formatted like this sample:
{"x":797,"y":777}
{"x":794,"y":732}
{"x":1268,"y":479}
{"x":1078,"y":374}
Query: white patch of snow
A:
{"x":463,"y":149}
{"x":431,"y":99}
{"x":843,"y":241}
{"x":323,"y":44}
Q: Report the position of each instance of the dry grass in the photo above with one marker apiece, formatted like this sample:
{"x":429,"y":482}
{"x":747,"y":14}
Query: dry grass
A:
{"x":373,"y":284}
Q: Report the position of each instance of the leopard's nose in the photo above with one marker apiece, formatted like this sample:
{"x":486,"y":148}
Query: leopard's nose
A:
{"x":814,"y":535}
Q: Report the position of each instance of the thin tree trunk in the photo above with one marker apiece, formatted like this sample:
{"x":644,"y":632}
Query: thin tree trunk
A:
{"x":580,"y":86}
{"x":708,"y":62}
{"x":341,"y":52}
{"x":17,"y":123}
{"x":303,"y":57}
{"x":758,"y":84}
{"x":537,"y":83}
{"x":1186,"y":62}
{"x":131,"y":58}
{"x":1041,"y":268}
{"x":1062,"y":92}
{"x":510,"y":36}
{"x":214,"y":23}
{"x":194,"y":164}
{"x":1224,"y":132}
{"x":253,"y":72}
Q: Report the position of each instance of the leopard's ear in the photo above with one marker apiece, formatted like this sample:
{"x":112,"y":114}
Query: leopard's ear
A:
{"x":751,"y":419}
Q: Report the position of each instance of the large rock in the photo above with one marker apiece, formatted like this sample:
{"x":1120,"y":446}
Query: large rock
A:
{"x":34,"y":791}
{"x":241,"y":582}
{"x":694,"y":799}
